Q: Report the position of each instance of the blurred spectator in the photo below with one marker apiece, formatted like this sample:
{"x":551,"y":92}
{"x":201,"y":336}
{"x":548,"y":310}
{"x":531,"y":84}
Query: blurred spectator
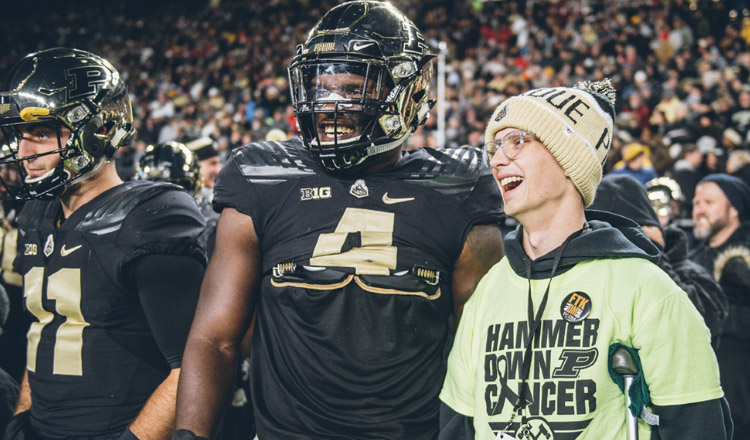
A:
{"x":209,"y":160}
{"x":198,"y":68}
{"x":636,"y":163}
{"x":713,"y":156}
{"x":623,"y":195}
{"x":730,"y":139}
{"x":738,"y":165}
{"x":740,"y":118}
{"x":8,"y":385}
{"x":721,"y":212}
{"x":687,"y":173}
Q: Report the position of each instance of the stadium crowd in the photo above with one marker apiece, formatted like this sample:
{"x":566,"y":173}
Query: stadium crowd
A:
{"x":218,"y":69}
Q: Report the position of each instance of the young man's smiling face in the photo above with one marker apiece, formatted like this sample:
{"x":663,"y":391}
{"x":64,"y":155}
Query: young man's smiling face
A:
{"x":532,"y":180}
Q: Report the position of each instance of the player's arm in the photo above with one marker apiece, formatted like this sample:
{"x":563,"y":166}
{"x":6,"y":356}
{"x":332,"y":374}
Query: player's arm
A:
{"x":168,"y":287}
{"x":482,"y":248}
{"x":24,"y":395}
{"x":222,"y":319}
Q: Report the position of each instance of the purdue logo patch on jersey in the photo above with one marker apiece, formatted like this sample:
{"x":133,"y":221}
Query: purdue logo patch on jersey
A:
{"x":323,"y":192}
{"x":49,"y":246}
{"x":359,"y":189}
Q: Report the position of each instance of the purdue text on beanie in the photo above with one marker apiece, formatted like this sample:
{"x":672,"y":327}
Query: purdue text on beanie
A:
{"x":574,"y":123}
{"x":736,"y":191}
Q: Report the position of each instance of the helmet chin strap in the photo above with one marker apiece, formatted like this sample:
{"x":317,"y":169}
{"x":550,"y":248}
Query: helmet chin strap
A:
{"x":373,"y":150}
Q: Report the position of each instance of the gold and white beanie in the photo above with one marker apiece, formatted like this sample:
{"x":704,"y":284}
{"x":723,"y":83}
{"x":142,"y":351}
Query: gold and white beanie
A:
{"x":574,"y":123}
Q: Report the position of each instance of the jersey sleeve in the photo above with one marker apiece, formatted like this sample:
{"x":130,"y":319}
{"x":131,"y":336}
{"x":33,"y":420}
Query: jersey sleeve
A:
{"x":168,"y":223}
{"x":168,"y":288}
{"x":485,"y":203}
{"x":232,"y":189}
{"x":674,"y":345}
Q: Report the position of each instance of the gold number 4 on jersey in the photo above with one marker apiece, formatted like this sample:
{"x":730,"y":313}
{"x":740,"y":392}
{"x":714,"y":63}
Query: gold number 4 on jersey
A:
{"x":374,"y":257}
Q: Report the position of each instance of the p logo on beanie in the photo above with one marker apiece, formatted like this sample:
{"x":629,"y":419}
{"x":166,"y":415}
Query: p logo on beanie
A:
{"x":574,"y":123}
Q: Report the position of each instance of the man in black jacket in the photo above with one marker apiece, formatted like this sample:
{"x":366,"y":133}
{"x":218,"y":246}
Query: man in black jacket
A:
{"x":625,"y":196}
{"x":721,"y":212}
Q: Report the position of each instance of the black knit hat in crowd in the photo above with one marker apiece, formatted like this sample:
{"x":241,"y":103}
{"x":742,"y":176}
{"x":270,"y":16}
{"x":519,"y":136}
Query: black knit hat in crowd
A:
{"x":736,"y":191}
{"x":623,"y":195}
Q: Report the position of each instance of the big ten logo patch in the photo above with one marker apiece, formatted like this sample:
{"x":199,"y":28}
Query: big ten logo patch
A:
{"x":323,"y":192}
{"x":554,"y":385}
{"x":30,"y":249}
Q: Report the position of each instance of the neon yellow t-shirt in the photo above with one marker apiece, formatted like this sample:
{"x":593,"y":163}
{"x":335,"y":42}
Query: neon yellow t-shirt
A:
{"x":628,"y":300}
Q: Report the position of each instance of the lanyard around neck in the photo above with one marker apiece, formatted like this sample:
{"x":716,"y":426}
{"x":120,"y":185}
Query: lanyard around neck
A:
{"x":534,"y":322}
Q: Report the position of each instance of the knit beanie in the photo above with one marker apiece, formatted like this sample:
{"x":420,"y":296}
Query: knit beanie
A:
{"x":736,"y":191}
{"x":574,"y":123}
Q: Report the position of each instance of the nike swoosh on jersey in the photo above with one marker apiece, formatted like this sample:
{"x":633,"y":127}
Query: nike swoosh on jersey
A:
{"x":65,"y":252}
{"x":389,"y":201}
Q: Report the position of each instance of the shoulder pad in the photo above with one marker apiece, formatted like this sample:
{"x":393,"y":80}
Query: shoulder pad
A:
{"x":108,"y":215}
{"x":34,"y":213}
{"x":273,"y":162}
{"x":459,"y":163}
{"x":446,"y":169}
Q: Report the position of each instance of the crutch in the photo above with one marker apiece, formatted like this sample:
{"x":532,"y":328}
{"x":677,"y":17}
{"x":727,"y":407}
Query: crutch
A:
{"x":624,"y":365}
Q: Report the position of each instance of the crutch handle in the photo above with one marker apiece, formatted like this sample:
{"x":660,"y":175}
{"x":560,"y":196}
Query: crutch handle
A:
{"x":624,"y":365}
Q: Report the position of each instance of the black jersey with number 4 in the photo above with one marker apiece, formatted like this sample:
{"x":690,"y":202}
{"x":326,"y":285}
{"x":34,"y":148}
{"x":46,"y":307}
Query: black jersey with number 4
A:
{"x":92,"y":359}
{"x":355,"y":297}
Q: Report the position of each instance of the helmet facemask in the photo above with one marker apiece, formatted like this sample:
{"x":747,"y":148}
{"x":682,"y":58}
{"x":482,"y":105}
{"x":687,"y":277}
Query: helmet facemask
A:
{"x":99,"y":119}
{"x":356,"y":92}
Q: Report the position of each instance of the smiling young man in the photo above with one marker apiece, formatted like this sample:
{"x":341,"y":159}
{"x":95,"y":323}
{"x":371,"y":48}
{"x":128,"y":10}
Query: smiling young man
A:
{"x":530,"y":357}
{"x":111,"y":270}
{"x":355,"y":252}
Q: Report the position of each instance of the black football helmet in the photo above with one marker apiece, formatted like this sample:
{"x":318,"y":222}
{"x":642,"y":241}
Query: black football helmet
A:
{"x":360,"y":83}
{"x":170,"y":162}
{"x":69,"y":88}
{"x":665,"y":196}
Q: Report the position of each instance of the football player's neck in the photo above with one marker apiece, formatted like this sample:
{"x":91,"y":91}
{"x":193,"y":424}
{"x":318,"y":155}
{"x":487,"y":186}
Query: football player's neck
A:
{"x":383,"y":161}
{"x":83,"y":192}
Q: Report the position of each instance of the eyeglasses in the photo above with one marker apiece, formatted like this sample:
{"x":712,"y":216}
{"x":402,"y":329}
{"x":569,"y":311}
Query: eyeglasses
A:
{"x":511,"y":143}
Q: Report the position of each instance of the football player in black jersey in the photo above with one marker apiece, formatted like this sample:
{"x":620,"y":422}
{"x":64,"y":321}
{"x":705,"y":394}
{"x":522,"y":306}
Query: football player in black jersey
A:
{"x":111,"y":270}
{"x":353,"y":253}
